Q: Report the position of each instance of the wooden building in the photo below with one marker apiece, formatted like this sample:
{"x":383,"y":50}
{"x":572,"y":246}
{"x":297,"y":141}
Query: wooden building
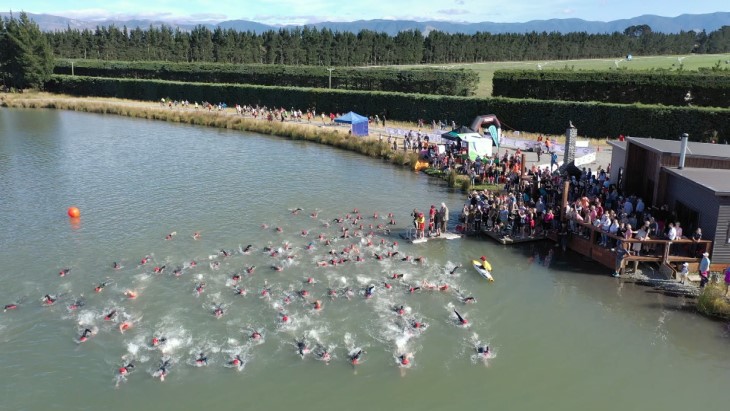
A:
{"x":697,"y":191}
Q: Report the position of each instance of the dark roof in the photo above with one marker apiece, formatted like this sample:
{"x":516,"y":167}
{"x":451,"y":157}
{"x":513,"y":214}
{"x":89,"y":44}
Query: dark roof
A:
{"x":694,"y":149}
{"x":717,"y":181}
{"x":618,"y":144}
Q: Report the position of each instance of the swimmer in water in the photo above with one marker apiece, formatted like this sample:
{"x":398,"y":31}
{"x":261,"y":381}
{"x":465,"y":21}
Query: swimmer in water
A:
{"x":468,"y":300}
{"x":177,"y":272}
{"x":236,"y":362}
{"x":201,"y":360}
{"x":126,"y":369}
{"x":418,"y":324}
{"x":100,"y":287}
{"x":240,"y":291}
{"x":317,"y":305}
{"x":10,"y":307}
{"x":159,"y":269}
{"x":218,"y":312}
{"x":116,"y":266}
{"x":462,"y":320}
{"x":76,"y":305}
{"x":236,"y":277}
{"x":396,"y":276}
{"x":224,"y":253}
{"x":454,"y":269}
{"x":482,"y":350}
{"x":200,"y":288}
{"x":325,"y":356}
{"x":247,"y":249}
{"x":250,"y":269}
{"x":355,"y":358}
{"x":144,"y":260}
{"x":405,"y":360}
{"x":162,"y":372}
{"x":158,"y":341}
{"x":255,"y":335}
{"x":130,"y":294}
{"x":400,"y":310}
{"x":63,"y":272}
{"x":125,"y":326}
{"x":196,"y":236}
{"x":110,"y":316}
{"x":302,"y":348}
{"x":48,"y":300}
{"x":85,"y":335}
{"x":369,"y":291}
{"x":169,"y":236}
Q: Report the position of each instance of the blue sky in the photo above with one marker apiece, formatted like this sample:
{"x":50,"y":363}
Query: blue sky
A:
{"x":311,"y":11}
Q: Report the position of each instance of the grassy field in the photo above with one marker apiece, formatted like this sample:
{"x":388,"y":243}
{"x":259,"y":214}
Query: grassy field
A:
{"x":688,"y":62}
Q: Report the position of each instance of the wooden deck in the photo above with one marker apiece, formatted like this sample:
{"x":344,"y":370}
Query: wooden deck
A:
{"x":662,"y":252}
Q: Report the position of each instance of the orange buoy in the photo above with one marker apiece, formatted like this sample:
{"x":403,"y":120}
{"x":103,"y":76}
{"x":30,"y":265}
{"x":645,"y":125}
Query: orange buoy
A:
{"x":74,"y":212}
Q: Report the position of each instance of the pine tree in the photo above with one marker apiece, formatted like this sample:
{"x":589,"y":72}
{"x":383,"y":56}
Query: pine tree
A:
{"x":26,"y":58}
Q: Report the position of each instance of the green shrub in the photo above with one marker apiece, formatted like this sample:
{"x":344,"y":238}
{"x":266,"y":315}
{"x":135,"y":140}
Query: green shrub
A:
{"x":713,"y":302}
{"x":542,"y":116}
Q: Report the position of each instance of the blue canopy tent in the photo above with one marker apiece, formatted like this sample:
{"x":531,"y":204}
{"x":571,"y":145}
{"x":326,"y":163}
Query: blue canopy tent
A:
{"x":358,"y":122}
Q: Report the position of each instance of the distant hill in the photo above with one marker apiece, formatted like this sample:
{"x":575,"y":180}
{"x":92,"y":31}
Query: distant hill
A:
{"x":684,"y":22}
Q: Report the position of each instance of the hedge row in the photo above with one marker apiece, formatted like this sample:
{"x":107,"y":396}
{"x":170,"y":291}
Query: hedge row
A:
{"x":617,"y":86}
{"x":423,"y":81}
{"x":592,"y":119}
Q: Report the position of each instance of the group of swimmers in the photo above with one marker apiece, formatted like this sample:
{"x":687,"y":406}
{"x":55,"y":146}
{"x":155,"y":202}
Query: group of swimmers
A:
{"x":361,"y":243}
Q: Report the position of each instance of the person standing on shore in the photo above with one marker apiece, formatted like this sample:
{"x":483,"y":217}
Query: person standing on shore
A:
{"x":727,"y":280}
{"x":444,"y":215}
{"x":553,"y":160}
{"x":684,"y":273}
{"x":704,"y":269}
{"x":621,"y":252}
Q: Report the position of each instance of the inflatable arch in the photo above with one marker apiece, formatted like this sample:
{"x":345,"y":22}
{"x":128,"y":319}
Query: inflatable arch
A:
{"x":490,"y":124}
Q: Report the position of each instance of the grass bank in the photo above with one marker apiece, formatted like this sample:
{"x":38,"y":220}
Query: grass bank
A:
{"x":713,"y":302}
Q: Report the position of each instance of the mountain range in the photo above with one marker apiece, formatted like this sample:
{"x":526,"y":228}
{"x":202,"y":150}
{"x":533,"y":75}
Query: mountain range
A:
{"x":684,"y":22}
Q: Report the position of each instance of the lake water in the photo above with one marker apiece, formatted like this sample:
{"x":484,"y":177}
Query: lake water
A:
{"x":564,"y":334}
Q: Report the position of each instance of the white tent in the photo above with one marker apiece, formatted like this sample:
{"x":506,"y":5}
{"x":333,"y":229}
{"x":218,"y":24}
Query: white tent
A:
{"x":477,"y":145}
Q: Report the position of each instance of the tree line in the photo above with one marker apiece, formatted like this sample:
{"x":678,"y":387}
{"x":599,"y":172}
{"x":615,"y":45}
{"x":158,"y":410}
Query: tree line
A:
{"x":324,"y":47}
{"x":26,"y":58}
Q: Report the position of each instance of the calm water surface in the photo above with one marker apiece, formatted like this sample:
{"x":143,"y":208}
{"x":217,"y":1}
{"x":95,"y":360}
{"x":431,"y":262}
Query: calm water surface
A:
{"x":566,"y":336}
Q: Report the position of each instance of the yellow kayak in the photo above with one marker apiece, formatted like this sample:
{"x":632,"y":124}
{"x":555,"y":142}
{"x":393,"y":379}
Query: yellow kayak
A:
{"x":480,"y":269}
